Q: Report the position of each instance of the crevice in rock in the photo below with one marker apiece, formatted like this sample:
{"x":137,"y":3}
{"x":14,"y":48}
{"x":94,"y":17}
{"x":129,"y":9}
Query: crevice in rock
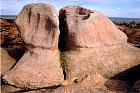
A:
{"x":30,"y":13}
{"x":63,"y":63}
{"x":49,"y":89}
{"x":86,"y":17}
{"x":62,"y":38}
{"x":2,"y":81}
{"x":63,"y":28}
{"x":38,"y":20}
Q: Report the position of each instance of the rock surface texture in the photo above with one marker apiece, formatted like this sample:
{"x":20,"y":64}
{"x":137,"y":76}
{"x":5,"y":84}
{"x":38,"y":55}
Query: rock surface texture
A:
{"x":10,"y":36}
{"x":40,"y":65}
{"x":93,"y":44}
{"x":6,"y":61}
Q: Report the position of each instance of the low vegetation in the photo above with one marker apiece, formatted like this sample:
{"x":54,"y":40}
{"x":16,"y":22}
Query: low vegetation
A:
{"x":63,"y":60}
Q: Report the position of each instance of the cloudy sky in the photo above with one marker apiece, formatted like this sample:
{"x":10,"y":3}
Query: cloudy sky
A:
{"x":112,"y":8}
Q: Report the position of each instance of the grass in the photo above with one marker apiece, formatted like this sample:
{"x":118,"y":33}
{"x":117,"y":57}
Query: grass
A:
{"x":63,"y":60}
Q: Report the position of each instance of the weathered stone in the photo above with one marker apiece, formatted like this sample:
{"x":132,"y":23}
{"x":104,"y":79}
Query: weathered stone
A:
{"x":39,"y":25}
{"x":93,"y":44}
{"x":40,"y":65}
{"x":7,"y":62}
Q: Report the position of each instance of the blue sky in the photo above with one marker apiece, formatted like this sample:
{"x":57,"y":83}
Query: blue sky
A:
{"x":112,"y":8}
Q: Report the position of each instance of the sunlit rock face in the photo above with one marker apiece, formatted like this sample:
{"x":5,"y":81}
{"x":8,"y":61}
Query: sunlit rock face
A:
{"x":88,"y":28}
{"x":93,"y":44}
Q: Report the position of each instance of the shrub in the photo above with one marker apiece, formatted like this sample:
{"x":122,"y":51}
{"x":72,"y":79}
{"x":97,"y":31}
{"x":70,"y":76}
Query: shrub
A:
{"x":63,"y":60}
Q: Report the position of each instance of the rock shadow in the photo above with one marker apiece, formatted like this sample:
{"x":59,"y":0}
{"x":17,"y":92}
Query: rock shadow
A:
{"x":124,"y":81}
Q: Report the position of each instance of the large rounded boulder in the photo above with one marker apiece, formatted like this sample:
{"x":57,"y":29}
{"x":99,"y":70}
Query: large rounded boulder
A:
{"x":93,"y":44}
{"x":40,"y":65}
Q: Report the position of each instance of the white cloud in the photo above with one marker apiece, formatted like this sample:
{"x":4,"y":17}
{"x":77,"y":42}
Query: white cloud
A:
{"x":118,"y":8}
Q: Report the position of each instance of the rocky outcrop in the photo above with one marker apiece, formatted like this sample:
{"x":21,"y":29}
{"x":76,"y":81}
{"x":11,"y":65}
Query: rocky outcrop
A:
{"x":133,"y":34}
{"x":93,"y":44}
{"x":6,"y":61}
{"x":10,"y":35}
{"x":94,"y":53}
{"x":40,"y":65}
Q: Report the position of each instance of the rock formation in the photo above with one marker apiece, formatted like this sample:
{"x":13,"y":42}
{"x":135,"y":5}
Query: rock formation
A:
{"x":94,"y":53}
{"x":40,"y":65}
{"x":10,"y":36}
{"x":93,"y":44}
{"x":7,"y":62}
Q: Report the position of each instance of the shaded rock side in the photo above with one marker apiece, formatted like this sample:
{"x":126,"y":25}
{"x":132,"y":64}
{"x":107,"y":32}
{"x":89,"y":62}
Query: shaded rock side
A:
{"x":6,"y":61}
{"x":40,"y":65}
{"x":93,"y":44}
{"x":9,"y":89}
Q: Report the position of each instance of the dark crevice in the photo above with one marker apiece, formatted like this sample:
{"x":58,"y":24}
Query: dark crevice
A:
{"x":63,"y":29}
{"x":2,"y":81}
{"x":64,"y":73}
{"x":50,"y":89}
{"x":38,"y":19}
{"x":86,"y":17}
{"x":44,"y":89}
{"x":30,"y":15}
{"x":62,"y":38}
{"x":50,"y":27}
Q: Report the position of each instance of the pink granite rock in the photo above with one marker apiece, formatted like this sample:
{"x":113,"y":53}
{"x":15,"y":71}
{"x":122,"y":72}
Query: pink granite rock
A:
{"x":40,"y":65}
{"x":93,"y":44}
{"x":86,"y":28}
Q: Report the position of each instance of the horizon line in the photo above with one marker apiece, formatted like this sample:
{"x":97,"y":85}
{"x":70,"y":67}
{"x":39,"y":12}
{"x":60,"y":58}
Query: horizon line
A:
{"x":107,"y":16}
